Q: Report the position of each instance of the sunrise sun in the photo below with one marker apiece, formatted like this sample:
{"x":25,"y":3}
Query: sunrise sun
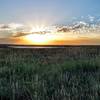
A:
{"x":37,"y":38}
{"x":39,"y":35}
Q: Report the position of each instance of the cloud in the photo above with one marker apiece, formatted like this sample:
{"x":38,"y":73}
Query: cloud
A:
{"x":91,"y":18}
{"x":10,"y":26}
{"x":7,"y":30}
{"x":18,"y":34}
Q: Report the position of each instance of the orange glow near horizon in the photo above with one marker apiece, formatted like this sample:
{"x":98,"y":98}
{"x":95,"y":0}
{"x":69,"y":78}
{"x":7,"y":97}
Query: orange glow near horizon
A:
{"x":39,"y":35}
{"x":57,"y":39}
{"x":39,"y":39}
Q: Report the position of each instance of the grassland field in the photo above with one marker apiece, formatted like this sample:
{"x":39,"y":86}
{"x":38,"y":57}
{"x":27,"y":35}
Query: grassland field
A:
{"x":69,"y":73}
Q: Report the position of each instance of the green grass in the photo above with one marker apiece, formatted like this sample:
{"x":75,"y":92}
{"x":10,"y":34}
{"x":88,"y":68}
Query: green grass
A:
{"x":50,"y":74}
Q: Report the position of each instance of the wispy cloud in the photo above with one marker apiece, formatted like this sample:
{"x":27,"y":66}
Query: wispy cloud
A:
{"x":19,"y":34}
{"x":7,"y":30}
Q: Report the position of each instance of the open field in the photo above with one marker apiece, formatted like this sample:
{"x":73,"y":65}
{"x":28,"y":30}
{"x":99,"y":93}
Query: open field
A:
{"x":69,"y":73}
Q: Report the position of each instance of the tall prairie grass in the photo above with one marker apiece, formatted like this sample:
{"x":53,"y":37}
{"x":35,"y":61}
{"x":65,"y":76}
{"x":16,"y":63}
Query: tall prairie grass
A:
{"x":71,"y":73}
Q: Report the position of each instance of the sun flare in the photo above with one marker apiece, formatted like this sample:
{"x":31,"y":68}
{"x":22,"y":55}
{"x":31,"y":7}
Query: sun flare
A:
{"x":39,"y":35}
{"x":36,"y":38}
{"x":39,"y":39}
{"x":38,"y":28}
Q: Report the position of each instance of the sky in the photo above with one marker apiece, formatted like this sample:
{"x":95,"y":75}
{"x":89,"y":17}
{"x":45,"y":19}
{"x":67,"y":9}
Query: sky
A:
{"x":58,"y":10}
{"x":16,"y":13}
